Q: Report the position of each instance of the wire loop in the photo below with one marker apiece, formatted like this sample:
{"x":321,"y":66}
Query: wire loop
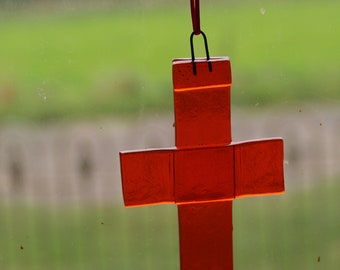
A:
{"x":193,"y":52}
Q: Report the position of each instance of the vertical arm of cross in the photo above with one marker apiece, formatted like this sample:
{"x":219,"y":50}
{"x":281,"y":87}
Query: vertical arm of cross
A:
{"x":147,"y":177}
{"x":202,"y":103}
{"x":204,"y":163}
{"x":206,"y":236}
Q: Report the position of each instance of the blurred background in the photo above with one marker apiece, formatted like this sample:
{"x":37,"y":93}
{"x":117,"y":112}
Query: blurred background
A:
{"x":82,"y":80}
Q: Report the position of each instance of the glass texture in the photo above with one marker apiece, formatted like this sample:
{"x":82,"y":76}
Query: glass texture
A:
{"x":147,"y":177}
{"x":259,"y":167}
{"x":198,"y":176}
{"x":204,"y":174}
{"x":202,"y":103}
{"x":206,"y":236}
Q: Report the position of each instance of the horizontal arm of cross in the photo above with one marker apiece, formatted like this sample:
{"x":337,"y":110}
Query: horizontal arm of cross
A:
{"x":147,"y":176}
{"x":192,"y":175}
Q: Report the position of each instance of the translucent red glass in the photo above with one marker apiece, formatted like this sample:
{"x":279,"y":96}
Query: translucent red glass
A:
{"x":202,"y":103}
{"x":206,"y":235}
{"x":205,"y":171}
{"x":147,"y":177}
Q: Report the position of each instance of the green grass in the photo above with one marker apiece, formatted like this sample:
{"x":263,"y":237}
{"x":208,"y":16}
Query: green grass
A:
{"x":77,"y":64}
{"x":289,"y":231}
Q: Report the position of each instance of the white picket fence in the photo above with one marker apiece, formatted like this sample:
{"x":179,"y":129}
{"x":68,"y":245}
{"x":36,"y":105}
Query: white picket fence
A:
{"x":80,"y":161}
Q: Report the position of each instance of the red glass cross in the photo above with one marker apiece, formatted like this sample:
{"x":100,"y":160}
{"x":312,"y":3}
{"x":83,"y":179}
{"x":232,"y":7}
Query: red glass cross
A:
{"x":205,"y":172}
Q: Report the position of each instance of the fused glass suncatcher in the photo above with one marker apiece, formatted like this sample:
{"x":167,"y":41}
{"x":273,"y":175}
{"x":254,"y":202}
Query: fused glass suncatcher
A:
{"x":205,"y":171}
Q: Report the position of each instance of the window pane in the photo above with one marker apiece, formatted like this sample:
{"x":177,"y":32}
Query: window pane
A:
{"x":82,"y":80}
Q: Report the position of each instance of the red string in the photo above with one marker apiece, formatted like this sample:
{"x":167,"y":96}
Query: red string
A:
{"x":195,"y":16}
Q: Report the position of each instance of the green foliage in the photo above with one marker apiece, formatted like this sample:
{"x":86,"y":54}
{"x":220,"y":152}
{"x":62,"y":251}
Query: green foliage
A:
{"x":289,"y":231}
{"x":83,"y":63}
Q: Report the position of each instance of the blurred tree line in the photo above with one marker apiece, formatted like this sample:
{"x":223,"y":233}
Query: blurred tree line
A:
{"x":79,"y":4}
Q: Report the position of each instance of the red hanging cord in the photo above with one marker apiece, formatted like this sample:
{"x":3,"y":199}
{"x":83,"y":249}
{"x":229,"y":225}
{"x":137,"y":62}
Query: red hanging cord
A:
{"x":195,"y":16}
